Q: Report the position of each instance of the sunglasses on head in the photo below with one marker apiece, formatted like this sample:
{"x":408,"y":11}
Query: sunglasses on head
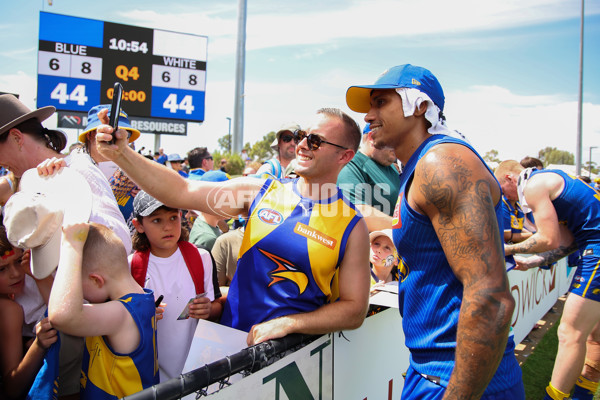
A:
{"x":314,"y":141}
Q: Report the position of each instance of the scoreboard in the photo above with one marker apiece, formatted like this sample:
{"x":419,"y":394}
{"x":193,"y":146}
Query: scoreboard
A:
{"x":163,"y":73}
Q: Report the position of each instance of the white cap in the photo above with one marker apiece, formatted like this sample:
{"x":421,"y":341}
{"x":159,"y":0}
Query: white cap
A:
{"x":34,"y":216}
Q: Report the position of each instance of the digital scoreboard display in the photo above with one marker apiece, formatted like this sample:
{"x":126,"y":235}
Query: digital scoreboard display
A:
{"x":163,"y":73}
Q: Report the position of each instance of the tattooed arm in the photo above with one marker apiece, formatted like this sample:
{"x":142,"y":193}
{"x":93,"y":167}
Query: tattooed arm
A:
{"x":453,"y":188}
{"x":567,"y":246}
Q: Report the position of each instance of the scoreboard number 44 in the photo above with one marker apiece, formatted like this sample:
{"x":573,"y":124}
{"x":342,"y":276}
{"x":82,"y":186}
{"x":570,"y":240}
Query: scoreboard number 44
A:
{"x":173,"y":105}
{"x":62,"y":95}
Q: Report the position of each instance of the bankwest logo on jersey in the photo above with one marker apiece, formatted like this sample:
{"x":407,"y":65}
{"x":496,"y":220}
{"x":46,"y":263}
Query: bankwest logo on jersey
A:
{"x":285,"y":271}
{"x":313,"y":234}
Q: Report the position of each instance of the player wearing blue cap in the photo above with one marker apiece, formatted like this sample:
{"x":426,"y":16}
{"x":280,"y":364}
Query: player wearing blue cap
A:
{"x":455,"y":299}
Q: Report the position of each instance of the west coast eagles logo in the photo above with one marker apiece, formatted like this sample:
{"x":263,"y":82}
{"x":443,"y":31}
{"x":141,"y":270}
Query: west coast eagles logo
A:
{"x":285,"y":271}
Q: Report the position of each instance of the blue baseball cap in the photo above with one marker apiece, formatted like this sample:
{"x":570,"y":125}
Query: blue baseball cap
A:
{"x":358,"y":98}
{"x":93,"y":122}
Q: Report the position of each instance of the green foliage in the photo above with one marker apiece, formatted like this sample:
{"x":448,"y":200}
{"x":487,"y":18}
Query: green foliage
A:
{"x":492,"y":156}
{"x":235,"y":164}
{"x":551,"y":155}
{"x":225,"y":143}
{"x":593,"y":165}
{"x":262,"y":150}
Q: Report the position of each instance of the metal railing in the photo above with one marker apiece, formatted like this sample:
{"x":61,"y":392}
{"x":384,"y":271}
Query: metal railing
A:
{"x":246,"y":361}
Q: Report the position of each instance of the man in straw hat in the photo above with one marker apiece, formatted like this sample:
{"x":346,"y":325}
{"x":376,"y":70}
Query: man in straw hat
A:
{"x":282,"y":164}
{"x":455,"y":299}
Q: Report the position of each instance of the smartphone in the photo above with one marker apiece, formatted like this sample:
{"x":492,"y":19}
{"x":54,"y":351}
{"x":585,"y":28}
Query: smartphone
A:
{"x":115,"y":109}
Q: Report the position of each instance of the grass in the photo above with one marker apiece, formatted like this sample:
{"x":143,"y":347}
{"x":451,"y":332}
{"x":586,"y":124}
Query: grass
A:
{"x":537,"y":370}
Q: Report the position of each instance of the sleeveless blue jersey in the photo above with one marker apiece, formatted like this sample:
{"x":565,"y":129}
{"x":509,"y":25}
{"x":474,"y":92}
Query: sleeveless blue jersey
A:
{"x":290,"y":255}
{"x":578,"y":206}
{"x":429,"y":294}
{"x":110,"y":375}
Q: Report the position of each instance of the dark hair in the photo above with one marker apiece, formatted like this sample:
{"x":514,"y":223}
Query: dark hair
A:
{"x":352,"y":130}
{"x":53,"y":139}
{"x":196,"y":155}
{"x":531,"y":162}
{"x":139,"y":240}
{"x":5,"y":245}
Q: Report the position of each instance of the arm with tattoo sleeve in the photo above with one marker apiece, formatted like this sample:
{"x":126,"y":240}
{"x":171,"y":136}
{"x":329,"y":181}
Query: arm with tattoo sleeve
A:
{"x":567,"y":246}
{"x":455,"y":191}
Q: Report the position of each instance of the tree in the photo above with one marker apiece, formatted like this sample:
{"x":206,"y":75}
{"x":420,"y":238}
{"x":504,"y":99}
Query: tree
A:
{"x":551,"y":155}
{"x":591,"y":165}
{"x":262,"y":150}
{"x":235,"y":164}
{"x":491,"y":156}
{"x":225,"y":143}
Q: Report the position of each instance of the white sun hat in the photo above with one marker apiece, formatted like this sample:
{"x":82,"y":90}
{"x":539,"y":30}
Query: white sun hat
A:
{"x":34,"y":216}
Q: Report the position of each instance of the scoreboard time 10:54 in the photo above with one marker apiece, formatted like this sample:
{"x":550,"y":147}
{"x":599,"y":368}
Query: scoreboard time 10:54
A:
{"x":163,"y":73}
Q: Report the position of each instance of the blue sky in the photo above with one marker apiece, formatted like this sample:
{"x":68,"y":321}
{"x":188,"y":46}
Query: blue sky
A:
{"x":509,"y":68}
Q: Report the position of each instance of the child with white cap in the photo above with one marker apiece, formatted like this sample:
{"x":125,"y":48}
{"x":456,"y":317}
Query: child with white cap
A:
{"x":383,"y":257}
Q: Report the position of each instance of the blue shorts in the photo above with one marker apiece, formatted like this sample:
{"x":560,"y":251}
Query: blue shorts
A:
{"x":586,"y":282}
{"x":418,"y":387}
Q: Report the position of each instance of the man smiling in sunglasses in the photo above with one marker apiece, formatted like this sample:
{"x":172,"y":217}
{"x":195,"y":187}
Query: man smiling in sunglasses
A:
{"x":304,"y":262}
{"x":283,"y":163}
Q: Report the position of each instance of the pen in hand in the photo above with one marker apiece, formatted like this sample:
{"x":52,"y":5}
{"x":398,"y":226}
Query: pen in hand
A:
{"x":157,"y":302}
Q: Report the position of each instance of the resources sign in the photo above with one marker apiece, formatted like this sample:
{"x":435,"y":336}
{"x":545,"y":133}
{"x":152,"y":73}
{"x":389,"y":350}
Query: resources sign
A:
{"x":163,"y":73}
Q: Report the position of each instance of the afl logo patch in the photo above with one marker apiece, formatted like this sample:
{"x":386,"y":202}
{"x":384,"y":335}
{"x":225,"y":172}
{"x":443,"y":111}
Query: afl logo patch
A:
{"x":270,"y":216}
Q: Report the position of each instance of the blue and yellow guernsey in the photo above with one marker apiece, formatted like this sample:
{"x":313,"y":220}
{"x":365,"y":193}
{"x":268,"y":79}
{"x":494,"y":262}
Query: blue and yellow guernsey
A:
{"x":430,"y":295}
{"x":109,"y":375}
{"x":577,"y":207}
{"x":290,"y":255}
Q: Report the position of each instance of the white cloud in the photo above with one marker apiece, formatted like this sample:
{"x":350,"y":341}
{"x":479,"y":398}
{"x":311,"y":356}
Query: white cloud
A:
{"x":517,"y":125}
{"x":307,"y":23}
{"x":22,"y":84}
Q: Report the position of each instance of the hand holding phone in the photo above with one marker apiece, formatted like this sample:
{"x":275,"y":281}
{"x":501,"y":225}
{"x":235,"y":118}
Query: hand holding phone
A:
{"x":115,"y":110}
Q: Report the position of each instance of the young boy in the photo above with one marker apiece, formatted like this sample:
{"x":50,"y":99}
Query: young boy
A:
{"x":119,"y":324}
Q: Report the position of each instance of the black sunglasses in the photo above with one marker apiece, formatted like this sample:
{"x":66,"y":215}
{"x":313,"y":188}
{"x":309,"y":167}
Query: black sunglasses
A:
{"x":314,"y":141}
{"x":286,"y":138}
{"x":208,"y":158}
